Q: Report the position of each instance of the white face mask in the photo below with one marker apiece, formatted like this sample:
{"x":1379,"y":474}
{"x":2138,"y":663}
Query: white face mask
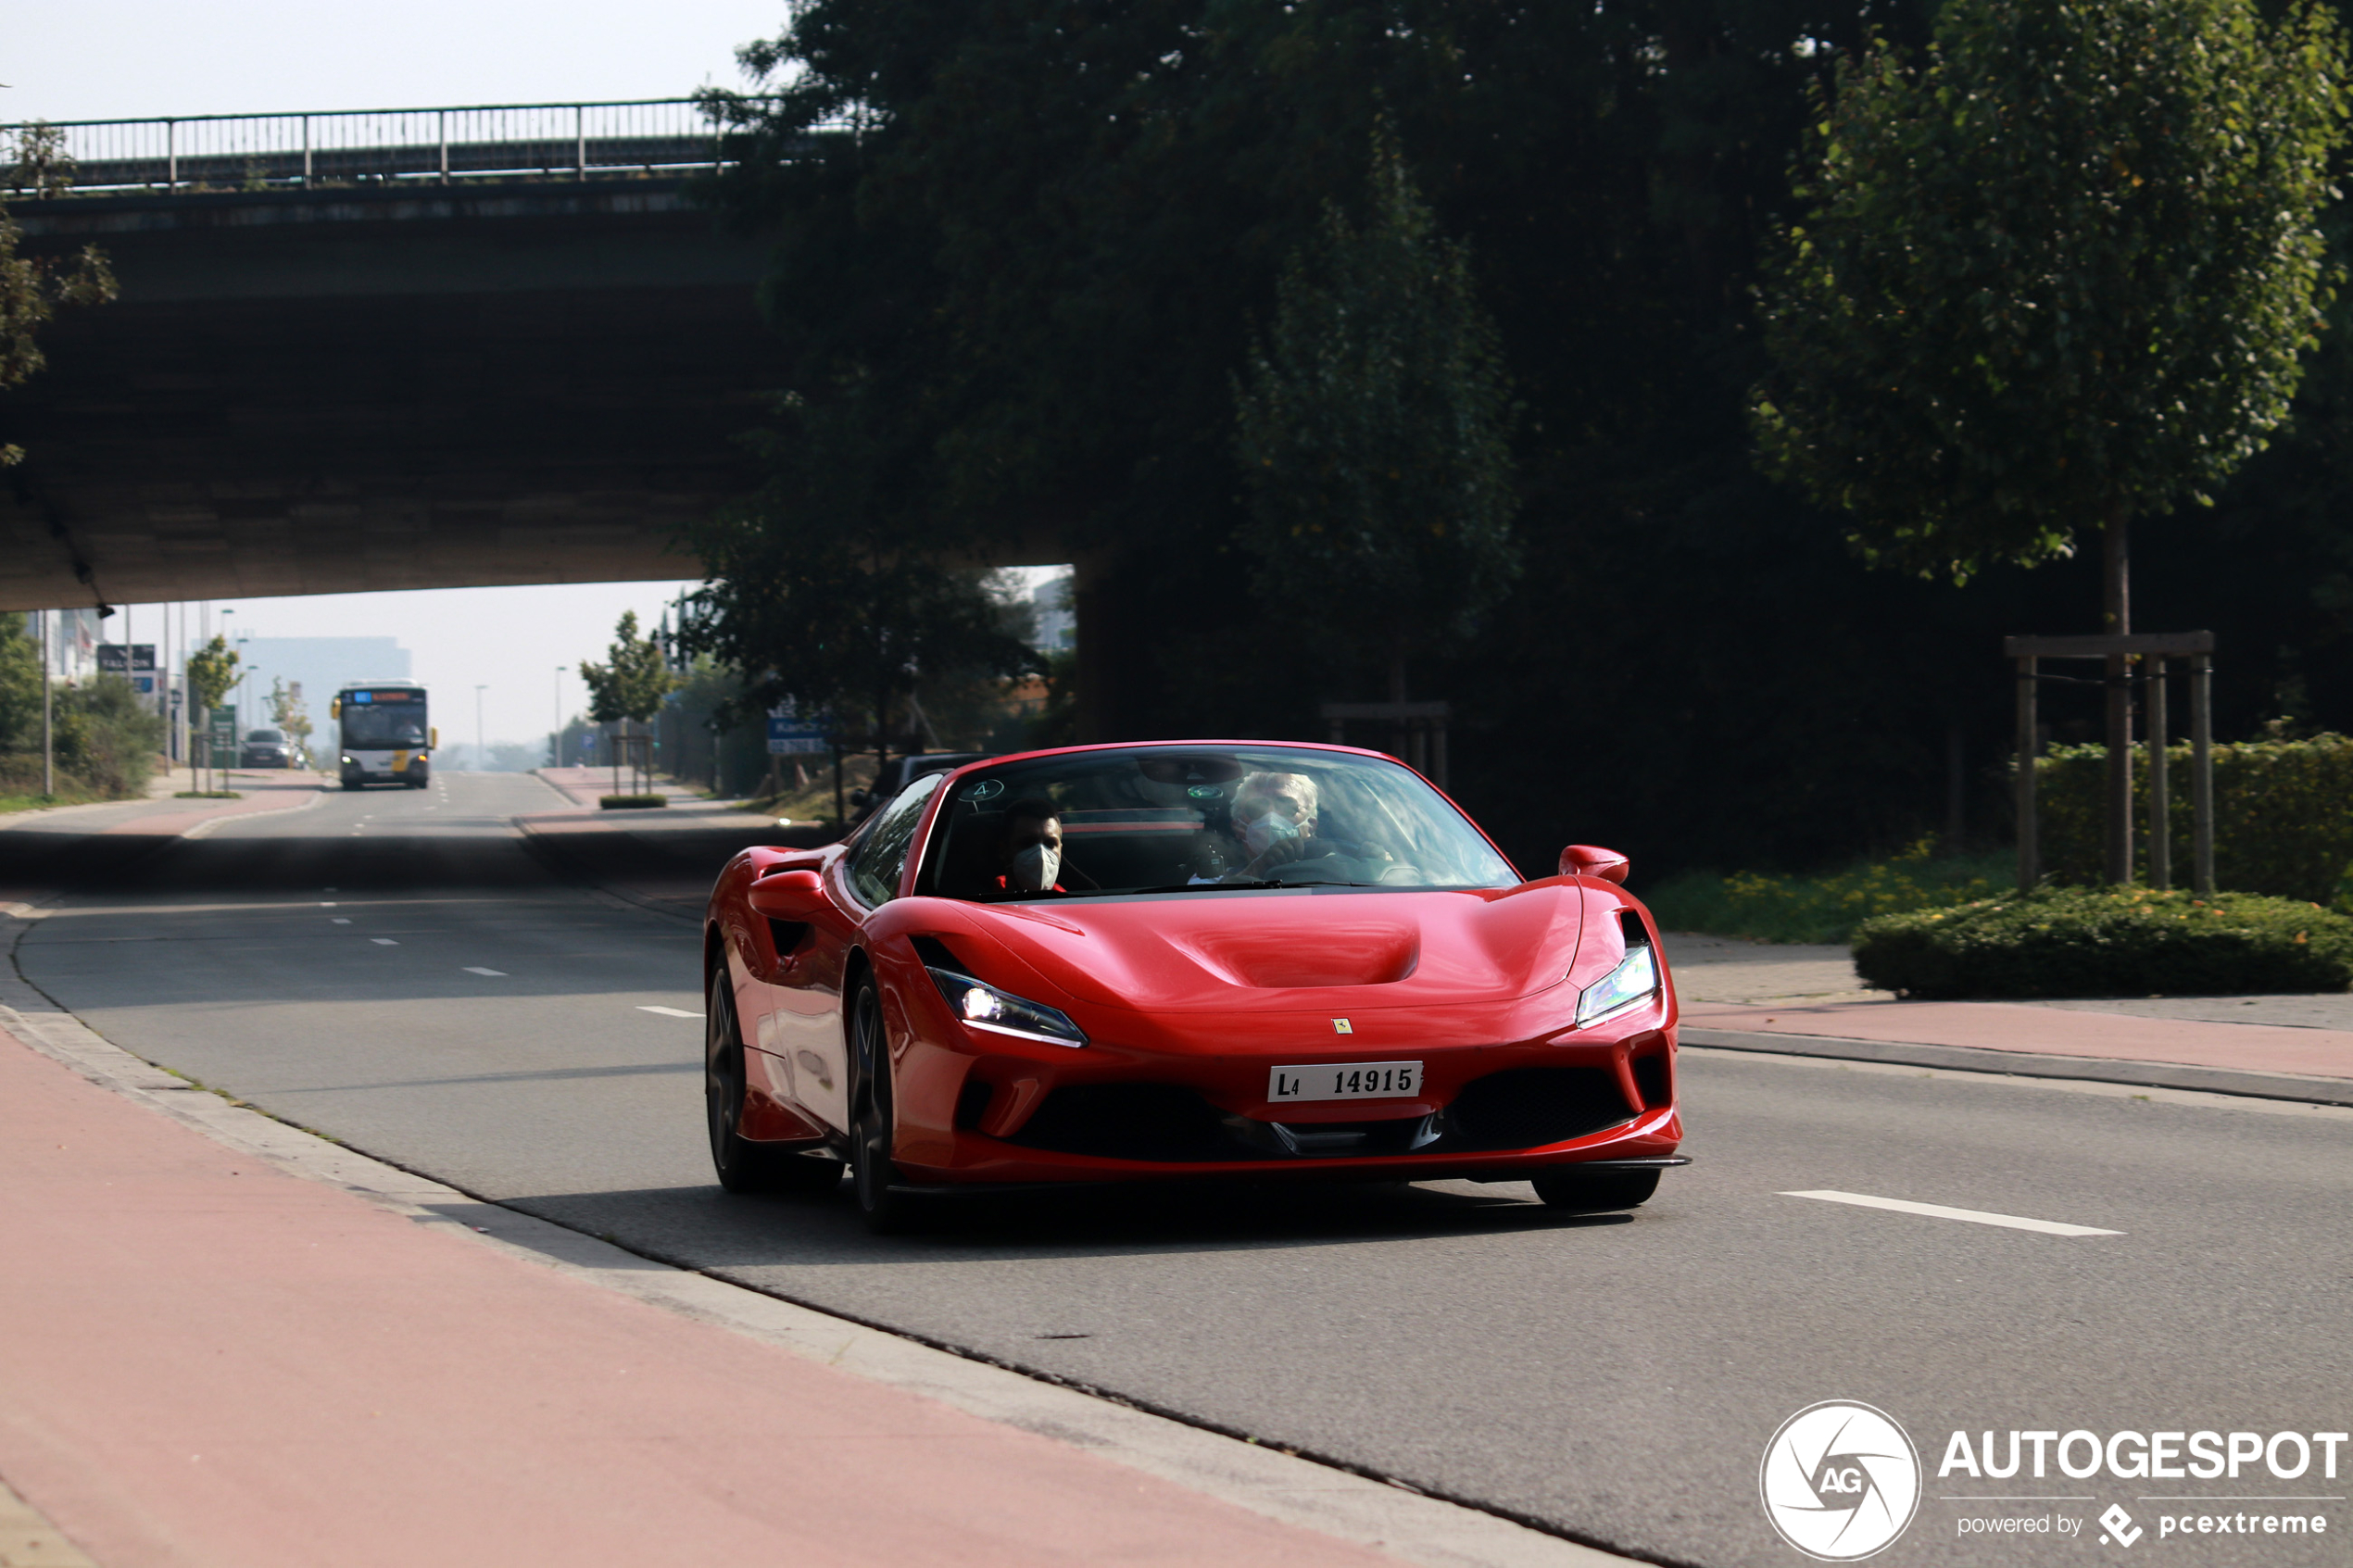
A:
{"x":1267,"y":830}
{"x":1035,"y":866}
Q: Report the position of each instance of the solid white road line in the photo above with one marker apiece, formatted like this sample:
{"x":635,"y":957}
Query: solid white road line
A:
{"x":671,"y":1012}
{"x":494,"y":973}
{"x":1938,"y":1211}
{"x":384,"y":941}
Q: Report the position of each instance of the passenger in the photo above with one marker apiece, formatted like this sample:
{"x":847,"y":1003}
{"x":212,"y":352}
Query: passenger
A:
{"x":1031,"y":849}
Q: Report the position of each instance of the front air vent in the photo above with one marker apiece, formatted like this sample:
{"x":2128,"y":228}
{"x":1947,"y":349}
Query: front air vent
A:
{"x":1655,"y":1079}
{"x":1529,"y":1107}
{"x":1158,"y":1121}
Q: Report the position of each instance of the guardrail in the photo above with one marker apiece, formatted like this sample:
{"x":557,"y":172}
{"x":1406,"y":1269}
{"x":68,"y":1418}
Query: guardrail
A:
{"x":387,"y":147}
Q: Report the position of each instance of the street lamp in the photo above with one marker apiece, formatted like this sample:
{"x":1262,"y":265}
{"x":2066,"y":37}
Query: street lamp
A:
{"x":482,"y":749}
{"x":556,"y":735}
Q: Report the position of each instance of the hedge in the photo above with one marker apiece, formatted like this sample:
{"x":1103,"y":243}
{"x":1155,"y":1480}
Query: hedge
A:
{"x":2282,"y":815}
{"x":2107,"y":941}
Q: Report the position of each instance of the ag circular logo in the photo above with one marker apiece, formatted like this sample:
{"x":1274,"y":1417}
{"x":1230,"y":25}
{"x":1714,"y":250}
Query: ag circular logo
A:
{"x":1839,"y":1481}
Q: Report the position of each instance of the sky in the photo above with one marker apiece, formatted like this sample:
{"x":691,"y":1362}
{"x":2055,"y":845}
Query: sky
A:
{"x":138,"y":59}
{"x":120,"y":59}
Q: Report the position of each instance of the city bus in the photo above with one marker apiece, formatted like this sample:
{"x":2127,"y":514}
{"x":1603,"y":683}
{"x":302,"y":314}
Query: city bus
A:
{"x":386,"y":735}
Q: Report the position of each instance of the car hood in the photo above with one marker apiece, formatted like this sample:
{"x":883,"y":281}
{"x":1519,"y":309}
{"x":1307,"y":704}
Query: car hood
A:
{"x":1286,"y":949}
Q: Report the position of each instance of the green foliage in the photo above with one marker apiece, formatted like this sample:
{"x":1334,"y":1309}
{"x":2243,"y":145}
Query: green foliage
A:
{"x":1820,"y":908}
{"x":106,"y":735}
{"x":2125,"y":942}
{"x":2282,"y":815}
{"x":291,"y":715}
{"x":633,"y":681}
{"x":19,"y":686}
{"x":32,"y":289}
{"x":212,"y":670}
{"x":1372,"y":432}
{"x":2061,"y":272}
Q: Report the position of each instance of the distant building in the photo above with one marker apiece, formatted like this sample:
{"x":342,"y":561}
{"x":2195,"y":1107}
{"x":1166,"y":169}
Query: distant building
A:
{"x":323,"y":666}
{"x":1057,"y":621}
{"x":74,"y":638}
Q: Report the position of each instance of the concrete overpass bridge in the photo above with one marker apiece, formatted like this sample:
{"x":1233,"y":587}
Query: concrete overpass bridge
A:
{"x":399,"y":350}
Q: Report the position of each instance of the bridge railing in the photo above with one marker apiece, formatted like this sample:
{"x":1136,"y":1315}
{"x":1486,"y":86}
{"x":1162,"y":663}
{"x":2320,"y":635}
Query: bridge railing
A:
{"x":389,"y":146}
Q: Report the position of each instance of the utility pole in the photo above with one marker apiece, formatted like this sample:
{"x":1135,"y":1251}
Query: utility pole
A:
{"x":556,"y":735}
{"x":48,"y":727}
{"x":482,"y":751}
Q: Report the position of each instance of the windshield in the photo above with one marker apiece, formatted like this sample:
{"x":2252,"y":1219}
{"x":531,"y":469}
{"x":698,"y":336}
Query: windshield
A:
{"x":380,"y":727}
{"x":265,"y":736}
{"x":1177,"y":819}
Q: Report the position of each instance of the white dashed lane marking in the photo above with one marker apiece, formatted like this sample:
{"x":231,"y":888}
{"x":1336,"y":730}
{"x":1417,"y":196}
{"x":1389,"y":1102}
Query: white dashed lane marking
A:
{"x":1938,"y":1211}
{"x":671,"y":1012}
{"x":494,"y":973}
{"x":339,"y":921}
{"x":384,"y":941}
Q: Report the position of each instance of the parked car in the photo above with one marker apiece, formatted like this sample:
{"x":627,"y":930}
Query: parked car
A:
{"x":266,"y":748}
{"x":1181,"y":960}
{"x":900,"y":771}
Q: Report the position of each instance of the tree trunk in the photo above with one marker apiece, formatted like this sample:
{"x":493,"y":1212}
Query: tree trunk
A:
{"x":2116,"y":619}
{"x":1400,"y":743}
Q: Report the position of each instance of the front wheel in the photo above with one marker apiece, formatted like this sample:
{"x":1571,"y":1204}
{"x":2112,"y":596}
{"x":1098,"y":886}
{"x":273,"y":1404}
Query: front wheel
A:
{"x":1576,"y":1191}
{"x":887,"y":1212}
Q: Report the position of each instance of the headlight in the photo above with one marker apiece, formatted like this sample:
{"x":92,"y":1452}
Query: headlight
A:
{"x":1001,"y":1012}
{"x":1634,"y":980}
{"x":349,"y":762}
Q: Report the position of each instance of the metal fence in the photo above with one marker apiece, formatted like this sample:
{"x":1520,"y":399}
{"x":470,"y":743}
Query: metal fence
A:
{"x":389,"y":146}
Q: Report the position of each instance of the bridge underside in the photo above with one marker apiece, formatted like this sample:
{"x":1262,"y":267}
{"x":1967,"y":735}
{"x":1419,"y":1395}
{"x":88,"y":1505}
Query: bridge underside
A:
{"x":337,"y":390}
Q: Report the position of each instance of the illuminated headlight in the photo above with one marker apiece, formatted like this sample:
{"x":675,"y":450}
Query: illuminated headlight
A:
{"x":1634,"y":980}
{"x":351,"y":762}
{"x":1001,"y":1012}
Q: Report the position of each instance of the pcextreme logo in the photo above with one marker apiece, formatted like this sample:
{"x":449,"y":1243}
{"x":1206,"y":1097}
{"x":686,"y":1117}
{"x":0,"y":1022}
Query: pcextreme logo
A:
{"x":1839,"y":1481}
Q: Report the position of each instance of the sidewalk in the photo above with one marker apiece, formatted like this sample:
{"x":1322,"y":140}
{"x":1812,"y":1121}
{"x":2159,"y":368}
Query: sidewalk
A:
{"x":663,"y":858}
{"x":207,"y":1361}
{"x":1757,"y":996}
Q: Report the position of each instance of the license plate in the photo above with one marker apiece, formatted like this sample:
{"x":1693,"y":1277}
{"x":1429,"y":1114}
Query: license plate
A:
{"x":1347,"y":1080}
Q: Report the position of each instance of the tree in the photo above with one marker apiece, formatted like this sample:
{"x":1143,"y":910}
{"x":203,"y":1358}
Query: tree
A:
{"x":1372,"y":435}
{"x":630,"y":686}
{"x":213,"y":670}
{"x":289,"y":713}
{"x":32,"y":289}
{"x":2058,"y":275}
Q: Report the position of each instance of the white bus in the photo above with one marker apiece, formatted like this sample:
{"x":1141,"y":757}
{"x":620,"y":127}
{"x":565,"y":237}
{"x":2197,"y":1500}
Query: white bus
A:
{"x":387,"y":734}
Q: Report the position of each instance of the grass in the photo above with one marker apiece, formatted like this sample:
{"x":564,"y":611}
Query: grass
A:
{"x":813,"y":801}
{"x":206,"y":794}
{"x":1825,"y":908}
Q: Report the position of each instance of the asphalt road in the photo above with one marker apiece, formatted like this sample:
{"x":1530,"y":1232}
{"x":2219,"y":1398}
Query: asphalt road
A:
{"x":397,"y":970}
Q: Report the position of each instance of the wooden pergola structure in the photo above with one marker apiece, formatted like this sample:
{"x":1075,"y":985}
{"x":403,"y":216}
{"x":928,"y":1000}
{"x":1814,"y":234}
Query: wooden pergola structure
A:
{"x":2151,"y":650}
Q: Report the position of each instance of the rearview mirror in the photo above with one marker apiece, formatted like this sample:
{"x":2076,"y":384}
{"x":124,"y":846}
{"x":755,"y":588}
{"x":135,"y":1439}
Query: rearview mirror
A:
{"x":1587,"y":859}
{"x":787,"y":896}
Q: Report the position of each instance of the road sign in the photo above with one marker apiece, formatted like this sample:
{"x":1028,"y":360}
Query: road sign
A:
{"x":124,"y":659}
{"x":795,"y":737}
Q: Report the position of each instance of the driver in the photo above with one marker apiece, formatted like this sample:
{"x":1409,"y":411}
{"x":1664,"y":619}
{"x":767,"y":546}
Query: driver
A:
{"x":1275,"y":818}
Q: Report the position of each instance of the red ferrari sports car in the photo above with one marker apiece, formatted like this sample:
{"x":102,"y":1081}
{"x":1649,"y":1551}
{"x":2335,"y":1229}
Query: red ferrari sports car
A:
{"x":1118,"y":964}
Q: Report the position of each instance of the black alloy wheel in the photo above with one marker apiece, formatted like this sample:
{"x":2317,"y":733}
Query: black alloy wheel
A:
{"x":742,"y":1164}
{"x":887,"y":1212}
{"x":1576,"y":1191}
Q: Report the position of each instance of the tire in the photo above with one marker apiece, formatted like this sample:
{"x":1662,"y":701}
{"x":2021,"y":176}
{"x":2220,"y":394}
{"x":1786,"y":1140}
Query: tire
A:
{"x":741,"y":1164}
{"x":871,"y":1172}
{"x":351,"y":784}
{"x":1573,"y":1191}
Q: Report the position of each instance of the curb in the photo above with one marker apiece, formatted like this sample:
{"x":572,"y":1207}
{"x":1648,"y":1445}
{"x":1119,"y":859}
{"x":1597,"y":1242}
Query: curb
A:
{"x":2033,"y":1064}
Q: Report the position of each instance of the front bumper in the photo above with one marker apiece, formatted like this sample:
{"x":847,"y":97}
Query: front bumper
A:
{"x":1162,"y":1098}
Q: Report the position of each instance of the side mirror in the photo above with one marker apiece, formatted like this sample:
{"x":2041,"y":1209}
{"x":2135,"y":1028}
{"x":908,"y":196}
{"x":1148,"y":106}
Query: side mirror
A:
{"x":792,"y":896}
{"x":1587,"y":859}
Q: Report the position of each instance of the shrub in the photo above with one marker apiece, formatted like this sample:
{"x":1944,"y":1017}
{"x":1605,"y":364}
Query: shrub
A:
{"x":106,"y":735}
{"x":2104,"y":942}
{"x":1820,"y":909}
{"x":2283,"y":814}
